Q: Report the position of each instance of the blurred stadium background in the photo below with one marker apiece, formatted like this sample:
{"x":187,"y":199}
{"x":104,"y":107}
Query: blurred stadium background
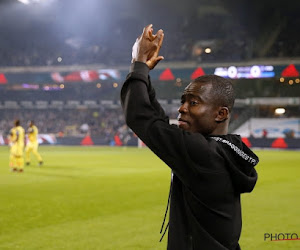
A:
{"x":62,"y":64}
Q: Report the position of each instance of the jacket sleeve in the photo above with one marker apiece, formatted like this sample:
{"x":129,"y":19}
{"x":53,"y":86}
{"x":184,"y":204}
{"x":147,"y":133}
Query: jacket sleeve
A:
{"x":141,"y":71}
{"x":147,"y":119}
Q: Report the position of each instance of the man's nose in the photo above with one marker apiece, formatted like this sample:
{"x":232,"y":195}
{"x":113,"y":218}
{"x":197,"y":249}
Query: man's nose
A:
{"x":182,"y":109}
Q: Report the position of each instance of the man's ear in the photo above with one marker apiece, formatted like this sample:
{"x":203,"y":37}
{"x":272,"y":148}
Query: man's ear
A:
{"x":223,"y":114}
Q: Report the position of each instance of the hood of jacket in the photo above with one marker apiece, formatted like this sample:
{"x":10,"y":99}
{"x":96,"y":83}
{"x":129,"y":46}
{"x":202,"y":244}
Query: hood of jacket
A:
{"x":240,"y":161}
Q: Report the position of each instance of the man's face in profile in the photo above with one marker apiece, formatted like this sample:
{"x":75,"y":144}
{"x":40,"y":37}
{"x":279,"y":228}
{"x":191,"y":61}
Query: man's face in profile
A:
{"x":197,"y":111}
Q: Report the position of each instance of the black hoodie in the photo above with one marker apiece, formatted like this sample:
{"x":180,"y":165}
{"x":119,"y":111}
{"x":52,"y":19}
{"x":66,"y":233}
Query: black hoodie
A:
{"x":209,"y":173}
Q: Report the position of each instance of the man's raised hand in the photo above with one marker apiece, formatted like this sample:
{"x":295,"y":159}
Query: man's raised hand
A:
{"x":147,"y":47}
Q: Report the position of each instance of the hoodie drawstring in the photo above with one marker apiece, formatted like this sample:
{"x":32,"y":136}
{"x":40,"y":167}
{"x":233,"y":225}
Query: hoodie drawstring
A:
{"x":167,"y":209}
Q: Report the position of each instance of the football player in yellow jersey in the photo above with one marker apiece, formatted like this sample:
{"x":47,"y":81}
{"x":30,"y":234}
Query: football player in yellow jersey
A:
{"x":16,"y":141}
{"x":32,"y":144}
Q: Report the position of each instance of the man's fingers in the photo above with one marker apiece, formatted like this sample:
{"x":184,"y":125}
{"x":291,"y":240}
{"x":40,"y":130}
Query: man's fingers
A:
{"x":148,"y":33}
{"x":152,"y":63}
{"x":146,"y":30}
{"x":159,"y":40}
{"x":152,"y":37}
{"x":158,"y":34}
{"x":159,"y":58}
{"x":160,"y":37}
{"x":147,"y":47}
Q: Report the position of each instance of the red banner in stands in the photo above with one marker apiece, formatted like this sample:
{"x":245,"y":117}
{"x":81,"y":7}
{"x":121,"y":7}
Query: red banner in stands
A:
{"x":246,"y":141}
{"x":87,"y":141}
{"x":279,"y":143}
{"x":290,"y":71}
{"x":198,"y":72}
{"x":77,"y":76}
{"x":118,"y":141}
{"x":166,"y":75}
{"x":2,"y":79}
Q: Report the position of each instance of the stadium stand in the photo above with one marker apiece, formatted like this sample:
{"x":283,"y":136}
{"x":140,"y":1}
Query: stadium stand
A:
{"x":38,"y":48}
{"x":64,"y":80}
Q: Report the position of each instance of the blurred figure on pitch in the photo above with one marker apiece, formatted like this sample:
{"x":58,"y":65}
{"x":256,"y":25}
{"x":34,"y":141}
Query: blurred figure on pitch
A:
{"x":32,"y":144}
{"x":16,"y":142}
{"x":264,"y":133}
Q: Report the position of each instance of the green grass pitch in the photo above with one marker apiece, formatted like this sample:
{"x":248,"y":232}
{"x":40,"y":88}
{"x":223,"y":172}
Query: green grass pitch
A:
{"x":115,"y":198}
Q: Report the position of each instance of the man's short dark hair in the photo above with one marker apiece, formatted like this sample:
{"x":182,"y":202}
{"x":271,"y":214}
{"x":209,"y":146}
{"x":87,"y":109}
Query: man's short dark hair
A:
{"x":17,"y":123}
{"x":222,"y":90}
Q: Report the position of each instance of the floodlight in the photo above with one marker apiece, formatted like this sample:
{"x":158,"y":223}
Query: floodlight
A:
{"x":30,"y":1}
{"x":207,"y":50}
{"x":24,"y":1}
{"x":279,"y":111}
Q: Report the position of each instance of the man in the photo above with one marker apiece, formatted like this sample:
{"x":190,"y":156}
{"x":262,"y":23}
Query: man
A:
{"x":210,"y":167}
{"x":16,"y":141}
{"x":32,"y":144}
